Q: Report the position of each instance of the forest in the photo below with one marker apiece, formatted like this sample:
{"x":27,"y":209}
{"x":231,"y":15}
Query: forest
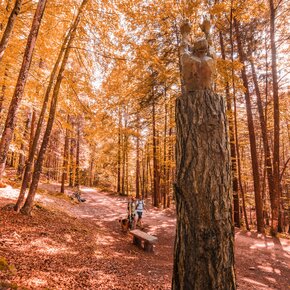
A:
{"x":182,"y":103}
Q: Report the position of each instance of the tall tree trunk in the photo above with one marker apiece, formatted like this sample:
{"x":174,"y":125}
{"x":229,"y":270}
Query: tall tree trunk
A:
{"x":34,"y":137}
{"x":21,"y":162}
{"x":266,"y":147}
{"x":77,"y":180}
{"x":119,"y":154}
{"x":32,"y":130}
{"x":232,"y":144}
{"x":252,"y":136}
{"x":165,"y":166}
{"x":170,"y":173}
{"x":123,"y":162}
{"x":276,"y":151}
{"x":72,"y":162}
{"x":65,"y":158}
{"x":9,"y":27}
{"x":3,"y":90}
{"x":239,"y":169}
{"x":143,"y":180}
{"x":127,"y":165}
{"x":92,"y":161}
{"x":27,"y":208}
{"x":20,"y":85}
{"x":239,"y":163}
{"x":138,"y":158}
{"x":156,"y":188}
{"x":149,"y":174}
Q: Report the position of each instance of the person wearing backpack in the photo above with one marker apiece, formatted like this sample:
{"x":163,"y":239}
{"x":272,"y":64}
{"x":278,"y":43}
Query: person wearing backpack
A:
{"x":140,"y":207}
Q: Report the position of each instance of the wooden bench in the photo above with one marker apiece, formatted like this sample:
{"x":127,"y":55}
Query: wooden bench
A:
{"x":140,"y":237}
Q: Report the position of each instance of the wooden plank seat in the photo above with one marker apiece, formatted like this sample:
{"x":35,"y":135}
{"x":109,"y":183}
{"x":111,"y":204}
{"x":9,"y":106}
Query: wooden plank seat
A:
{"x":143,"y":240}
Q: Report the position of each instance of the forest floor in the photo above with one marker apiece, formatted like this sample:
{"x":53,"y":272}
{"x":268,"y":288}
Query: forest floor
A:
{"x":69,"y":245}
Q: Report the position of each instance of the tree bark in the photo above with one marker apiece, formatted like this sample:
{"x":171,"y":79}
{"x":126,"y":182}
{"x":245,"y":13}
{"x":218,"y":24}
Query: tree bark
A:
{"x":276,"y":150}
{"x":92,"y":162}
{"x":137,"y":181}
{"x":170,"y":173}
{"x":65,"y":158}
{"x":27,"y":208}
{"x":165,"y":166}
{"x":119,"y":154}
{"x":72,"y":162}
{"x":21,"y":162}
{"x":20,"y":85}
{"x":156,"y":187}
{"x":9,"y":27}
{"x":3,"y":90}
{"x":204,"y":256}
{"x":77,"y":179}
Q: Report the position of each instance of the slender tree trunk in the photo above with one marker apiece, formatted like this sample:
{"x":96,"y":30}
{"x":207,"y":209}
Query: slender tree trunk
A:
{"x":239,"y":169}
{"x":3,"y":90}
{"x":9,"y":27}
{"x":239,"y":164}
{"x":65,"y":158}
{"x":11,"y":163}
{"x":34,"y":137}
{"x":266,"y":147}
{"x":165,"y":167}
{"x":32,"y":130}
{"x":77,"y":180}
{"x":143,"y":180}
{"x":170,"y":174}
{"x":232,"y":144}
{"x":27,"y":208}
{"x":149,"y":172}
{"x":123,"y":164}
{"x":127,"y":165}
{"x":138,"y":158}
{"x":92,"y":169}
{"x":20,"y":85}
{"x":276,"y":151}
{"x":119,"y":154}
{"x":71,"y":161}
{"x":156,"y":188}
{"x":21,"y":162}
{"x":252,"y":136}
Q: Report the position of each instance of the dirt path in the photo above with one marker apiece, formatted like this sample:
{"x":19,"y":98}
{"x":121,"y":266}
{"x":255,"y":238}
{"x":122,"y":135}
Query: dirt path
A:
{"x":111,"y":261}
{"x":104,"y":210}
{"x":261,"y":262}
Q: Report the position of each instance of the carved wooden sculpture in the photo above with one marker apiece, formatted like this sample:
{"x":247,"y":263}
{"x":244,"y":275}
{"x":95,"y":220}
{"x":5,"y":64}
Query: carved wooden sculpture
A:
{"x":204,"y":257}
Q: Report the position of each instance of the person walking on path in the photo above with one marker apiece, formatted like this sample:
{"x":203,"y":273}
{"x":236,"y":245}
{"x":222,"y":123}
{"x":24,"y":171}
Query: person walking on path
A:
{"x":131,"y":212}
{"x":140,"y":207}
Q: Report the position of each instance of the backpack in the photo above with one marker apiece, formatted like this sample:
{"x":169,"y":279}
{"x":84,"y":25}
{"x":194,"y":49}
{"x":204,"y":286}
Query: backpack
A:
{"x":140,"y":202}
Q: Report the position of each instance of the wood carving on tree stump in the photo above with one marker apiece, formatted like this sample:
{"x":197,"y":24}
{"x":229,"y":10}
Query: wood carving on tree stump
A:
{"x":204,"y":257}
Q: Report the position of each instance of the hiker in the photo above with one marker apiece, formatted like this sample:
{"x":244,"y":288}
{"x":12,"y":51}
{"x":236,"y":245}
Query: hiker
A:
{"x":140,"y":206}
{"x":131,"y":212}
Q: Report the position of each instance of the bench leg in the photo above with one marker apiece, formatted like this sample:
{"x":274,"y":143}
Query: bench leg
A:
{"x":136,"y":241}
{"x":148,"y":247}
